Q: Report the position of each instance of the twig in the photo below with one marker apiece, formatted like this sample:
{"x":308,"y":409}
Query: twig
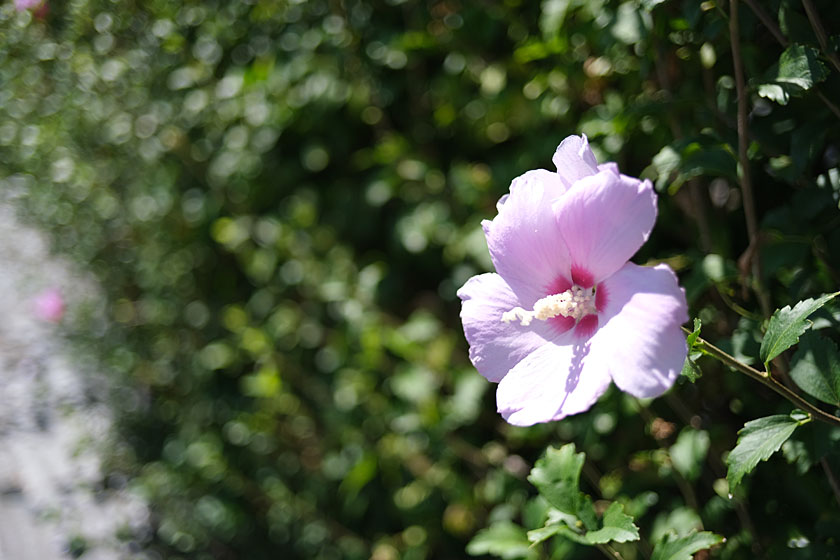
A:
{"x":746,"y":179}
{"x":832,"y":107}
{"x":831,"y":479}
{"x":767,"y":21}
{"x":765,"y":379}
{"x":610,"y":552}
{"x":735,"y":307}
{"x":819,"y":30}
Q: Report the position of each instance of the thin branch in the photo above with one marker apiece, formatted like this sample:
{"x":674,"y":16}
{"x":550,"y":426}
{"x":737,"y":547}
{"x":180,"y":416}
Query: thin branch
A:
{"x":819,"y":30}
{"x":834,"y":109}
{"x":767,"y":21}
{"x":735,"y":307}
{"x":609,"y":551}
{"x":765,"y":379}
{"x":831,"y":479}
{"x":746,"y":178}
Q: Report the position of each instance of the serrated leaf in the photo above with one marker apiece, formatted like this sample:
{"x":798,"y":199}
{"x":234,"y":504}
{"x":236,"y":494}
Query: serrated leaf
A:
{"x":544,"y":533}
{"x":503,"y":539}
{"x":787,"y":325}
{"x":689,"y":452}
{"x":691,"y":339}
{"x":557,"y":476}
{"x":672,"y":547}
{"x":586,"y":512}
{"x":800,"y":65}
{"x":816,"y":368}
{"x":799,"y":69}
{"x":757,"y":441}
{"x":691,"y":370}
{"x":617,"y":526}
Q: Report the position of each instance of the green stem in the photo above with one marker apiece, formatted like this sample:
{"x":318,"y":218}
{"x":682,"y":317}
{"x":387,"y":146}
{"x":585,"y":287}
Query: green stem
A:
{"x":609,"y":551}
{"x":765,"y":379}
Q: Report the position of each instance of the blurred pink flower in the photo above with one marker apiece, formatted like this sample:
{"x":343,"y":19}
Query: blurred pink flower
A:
{"x":566,"y":313}
{"x":22,"y":5}
{"x":49,"y":305}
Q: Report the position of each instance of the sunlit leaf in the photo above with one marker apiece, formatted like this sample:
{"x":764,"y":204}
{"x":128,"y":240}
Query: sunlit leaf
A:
{"x":557,"y":477}
{"x":787,"y":325}
{"x":503,"y":539}
{"x":800,"y":65}
{"x":672,"y":547}
{"x":689,"y":452}
{"x":617,"y":526}
{"x":757,"y":441}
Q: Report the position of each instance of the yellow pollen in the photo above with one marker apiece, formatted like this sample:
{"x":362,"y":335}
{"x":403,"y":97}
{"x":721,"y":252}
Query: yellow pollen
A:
{"x":576,"y":302}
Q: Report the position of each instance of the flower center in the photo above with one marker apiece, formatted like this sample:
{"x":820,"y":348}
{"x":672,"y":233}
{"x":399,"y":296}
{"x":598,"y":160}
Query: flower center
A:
{"x":576,"y":302}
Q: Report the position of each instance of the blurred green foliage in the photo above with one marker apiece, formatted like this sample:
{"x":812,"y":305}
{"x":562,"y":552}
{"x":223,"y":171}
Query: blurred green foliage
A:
{"x":280,"y":199}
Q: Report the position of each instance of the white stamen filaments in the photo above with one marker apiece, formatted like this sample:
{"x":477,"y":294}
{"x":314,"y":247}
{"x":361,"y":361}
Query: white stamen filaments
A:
{"x":576,"y":302}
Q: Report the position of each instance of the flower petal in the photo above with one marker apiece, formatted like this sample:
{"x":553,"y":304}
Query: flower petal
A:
{"x":496,"y":347}
{"x":524,"y":241}
{"x":610,"y":166}
{"x":574,"y":159}
{"x":641,"y":338}
{"x":604,"y":219}
{"x":555,"y":381}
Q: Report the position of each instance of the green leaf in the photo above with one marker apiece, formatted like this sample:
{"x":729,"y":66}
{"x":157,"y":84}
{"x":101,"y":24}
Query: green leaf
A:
{"x":553,"y":12}
{"x":689,"y":452}
{"x":691,"y":157}
{"x":503,"y":539}
{"x":649,"y":5}
{"x":816,"y":368}
{"x":664,"y":163}
{"x":629,"y":26}
{"x":799,"y":70}
{"x":774,"y":92}
{"x":618,"y":527}
{"x":680,"y":522}
{"x":757,"y":441}
{"x":672,"y":547}
{"x":691,"y":339}
{"x":690,"y":368}
{"x":557,"y":477}
{"x":800,"y":66}
{"x":787,"y":325}
{"x":615,"y":526}
{"x":560,"y":530}
{"x":543,"y":533}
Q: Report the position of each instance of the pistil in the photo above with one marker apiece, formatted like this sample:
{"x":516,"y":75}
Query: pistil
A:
{"x":576,"y":302}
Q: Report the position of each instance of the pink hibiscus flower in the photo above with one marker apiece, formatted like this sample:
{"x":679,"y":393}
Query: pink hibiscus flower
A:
{"x":566,"y":313}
